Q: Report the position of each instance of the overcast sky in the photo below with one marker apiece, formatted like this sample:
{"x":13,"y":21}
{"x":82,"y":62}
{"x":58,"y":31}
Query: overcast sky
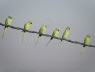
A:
{"x":26,"y":57}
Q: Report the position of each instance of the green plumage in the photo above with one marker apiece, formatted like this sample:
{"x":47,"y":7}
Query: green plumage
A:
{"x":42,"y":31}
{"x":8,"y":21}
{"x":65,"y":34}
{"x":55,"y":34}
{"x":86,"y":41}
{"x":26,"y":27}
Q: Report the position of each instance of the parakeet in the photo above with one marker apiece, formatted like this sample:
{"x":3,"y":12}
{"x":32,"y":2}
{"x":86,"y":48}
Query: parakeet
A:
{"x":8,"y":21}
{"x":86,"y":41}
{"x":65,"y":34}
{"x":42,"y":30}
{"x":26,"y":27}
{"x":55,"y":34}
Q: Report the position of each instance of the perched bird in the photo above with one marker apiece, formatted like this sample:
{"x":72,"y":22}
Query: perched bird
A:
{"x":26,"y":27}
{"x":65,"y":34}
{"x":55,"y":34}
{"x":86,"y":41}
{"x":42,"y":31}
{"x":8,"y":21}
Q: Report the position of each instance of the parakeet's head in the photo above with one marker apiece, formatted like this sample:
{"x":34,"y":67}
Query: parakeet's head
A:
{"x":57,"y":29}
{"x":44,"y":25}
{"x":88,"y":36}
{"x":68,"y":28}
{"x":30,"y":22}
{"x":10,"y":17}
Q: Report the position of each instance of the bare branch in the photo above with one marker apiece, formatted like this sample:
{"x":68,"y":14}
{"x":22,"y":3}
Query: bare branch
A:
{"x":47,"y":35}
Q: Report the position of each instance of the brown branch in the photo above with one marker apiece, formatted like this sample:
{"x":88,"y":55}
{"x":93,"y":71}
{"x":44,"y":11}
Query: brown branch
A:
{"x":47,"y":35}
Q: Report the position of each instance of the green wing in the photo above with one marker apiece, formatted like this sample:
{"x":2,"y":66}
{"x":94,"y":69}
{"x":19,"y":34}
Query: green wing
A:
{"x":86,"y":40}
{"x":42,"y":30}
{"x":65,"y":34}
{"x":55,"y":33}
{"x":8,"y":21}
{"x":27,"y":26}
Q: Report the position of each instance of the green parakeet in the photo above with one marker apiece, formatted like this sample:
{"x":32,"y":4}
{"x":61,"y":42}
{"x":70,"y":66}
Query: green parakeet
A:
{"x":42,"y":30}
{"x":55,"y":34}
{"x":26,"y":27}
{"x":65,"y":34}
{"x":8,"y":21}
{"x":86,"y":41}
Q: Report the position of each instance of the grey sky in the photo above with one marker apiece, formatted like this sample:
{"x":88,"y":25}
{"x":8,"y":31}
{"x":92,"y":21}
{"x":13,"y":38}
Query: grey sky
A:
{"x":26,"y":57}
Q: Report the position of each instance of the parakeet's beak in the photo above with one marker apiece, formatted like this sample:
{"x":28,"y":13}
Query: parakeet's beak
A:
{"x":30,"y":23}
{"x":58,"y":30}
{"x":45,"y":26}
{"x":69,"y":28}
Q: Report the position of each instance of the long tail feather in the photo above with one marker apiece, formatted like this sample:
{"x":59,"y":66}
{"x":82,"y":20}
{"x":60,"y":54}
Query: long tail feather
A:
{"x":37,"y":40}
{"x":23,"y":36}
{"x":5,"y":29}
{"x":49,"y":42}
{"x":59,"y":43}
{"x":82,"y":51}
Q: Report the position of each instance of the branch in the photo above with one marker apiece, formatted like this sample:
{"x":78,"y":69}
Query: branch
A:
{"x":47,"y":35}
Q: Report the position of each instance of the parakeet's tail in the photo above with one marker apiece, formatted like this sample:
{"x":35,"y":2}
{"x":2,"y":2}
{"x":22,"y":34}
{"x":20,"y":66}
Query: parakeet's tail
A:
{"x":82,"y":51}
{"x":59,"y":42}
{"x":23,"y":36}
{"x":5,"y":29}
{"x":38,"y":39}
{"x":49,"y":42}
